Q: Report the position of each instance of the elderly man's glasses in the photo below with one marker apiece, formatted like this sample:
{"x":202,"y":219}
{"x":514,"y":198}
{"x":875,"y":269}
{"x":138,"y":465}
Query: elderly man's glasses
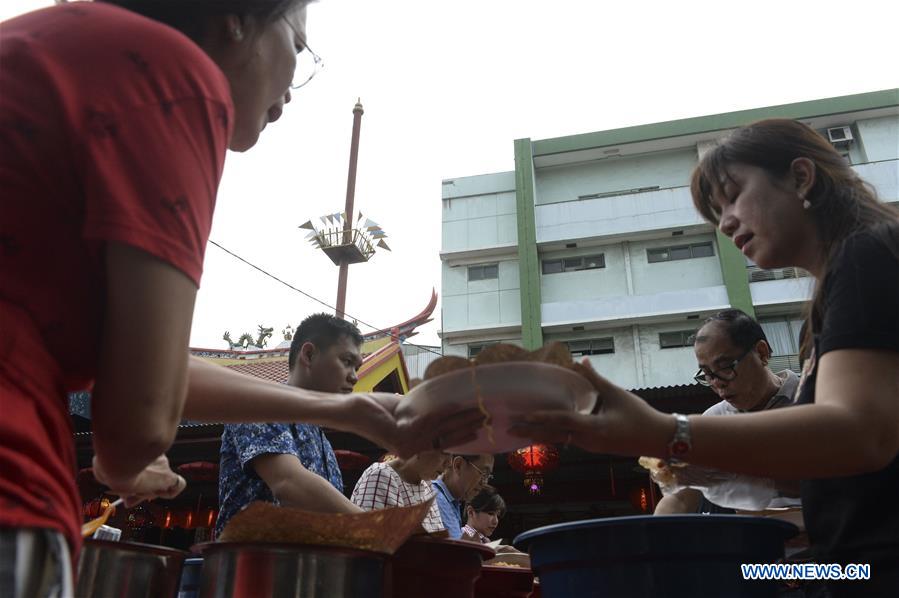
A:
{"x":725,"y":374}
{"x":308,"y":62}
{"x":486,"y":476}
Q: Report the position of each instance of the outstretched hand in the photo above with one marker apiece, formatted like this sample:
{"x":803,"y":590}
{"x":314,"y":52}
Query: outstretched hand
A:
{"x":381,"y":418}
{"x":625,"y":424}
{"x":156,"y":480}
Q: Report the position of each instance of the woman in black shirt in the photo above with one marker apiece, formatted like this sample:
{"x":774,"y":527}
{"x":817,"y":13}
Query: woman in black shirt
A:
{"x":787,"y":198}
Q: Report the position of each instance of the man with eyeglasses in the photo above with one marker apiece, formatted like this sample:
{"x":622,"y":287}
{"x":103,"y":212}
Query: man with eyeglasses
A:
{"x":733,"y":354}
{"x":465,"y":476}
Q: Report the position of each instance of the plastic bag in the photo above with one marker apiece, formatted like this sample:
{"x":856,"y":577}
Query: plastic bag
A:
{"x":725,"y":489}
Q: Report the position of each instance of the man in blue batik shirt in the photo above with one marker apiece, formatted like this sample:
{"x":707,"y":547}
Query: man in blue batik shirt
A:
{"x":293,"y":464}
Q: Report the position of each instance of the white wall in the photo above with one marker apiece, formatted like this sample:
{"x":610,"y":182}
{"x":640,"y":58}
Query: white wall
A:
{"x":610,"y":281}
{"x":675,"y":275}
{"x":621,"y":366}
{"x":481,"y":303}
{"x":666,"y":367}
{"x":634,"y":307}
{"x":614,"y":174}
{"x":774,"y":292}
{"x":879,"y":137}
{"x":479,"y":221}
{"x":621,"y":215}
{"x":479,"y":212}
{"x":884,"y":176}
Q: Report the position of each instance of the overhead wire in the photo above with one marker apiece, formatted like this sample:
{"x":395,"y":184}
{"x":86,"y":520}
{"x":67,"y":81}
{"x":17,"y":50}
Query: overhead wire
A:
{"x":317,"y":300}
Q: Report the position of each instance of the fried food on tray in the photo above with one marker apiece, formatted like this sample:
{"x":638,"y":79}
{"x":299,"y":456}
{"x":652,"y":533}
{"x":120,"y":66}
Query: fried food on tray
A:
{"x":501,"y":353}
{"x":445,"y":365}
{"x":554,"y":353}
{"x":383,"y":530}
{"x":660,"y":470}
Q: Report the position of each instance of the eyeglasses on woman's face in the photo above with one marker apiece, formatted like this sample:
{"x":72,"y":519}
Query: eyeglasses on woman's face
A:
{"x":308,"y":62}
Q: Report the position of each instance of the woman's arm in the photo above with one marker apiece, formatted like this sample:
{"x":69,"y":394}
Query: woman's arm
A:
{"x":684,"y":501}
{"x":852,"y":428}
{"x":141,"y":381}
{"x":222,"y":395}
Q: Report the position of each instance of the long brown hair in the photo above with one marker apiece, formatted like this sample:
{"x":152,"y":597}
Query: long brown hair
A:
{"x":842,"y":204}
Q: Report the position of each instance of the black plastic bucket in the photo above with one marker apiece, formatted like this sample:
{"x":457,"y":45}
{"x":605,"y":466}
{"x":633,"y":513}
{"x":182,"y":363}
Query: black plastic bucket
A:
{"x":655,"y":556}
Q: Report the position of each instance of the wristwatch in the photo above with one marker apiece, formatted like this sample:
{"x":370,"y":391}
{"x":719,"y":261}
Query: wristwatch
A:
{"x":681,"y":443}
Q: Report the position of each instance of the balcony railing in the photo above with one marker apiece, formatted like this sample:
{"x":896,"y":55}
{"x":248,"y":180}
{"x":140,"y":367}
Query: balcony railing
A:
{"x":757,"y":274}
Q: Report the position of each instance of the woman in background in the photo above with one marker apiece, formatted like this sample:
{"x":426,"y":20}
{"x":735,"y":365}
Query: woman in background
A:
{"x":785,"y":197}
{"x":395,"y":482}
{"x":482,"y":515}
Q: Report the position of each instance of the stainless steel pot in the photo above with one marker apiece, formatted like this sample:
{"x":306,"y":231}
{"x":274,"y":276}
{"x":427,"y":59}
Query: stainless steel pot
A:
{"x":244,"y":569}
{"x":127,"y":570}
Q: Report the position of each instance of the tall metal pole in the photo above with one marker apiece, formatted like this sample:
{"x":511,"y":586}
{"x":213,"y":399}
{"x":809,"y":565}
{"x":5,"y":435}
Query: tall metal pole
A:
{"x":348,"y":209}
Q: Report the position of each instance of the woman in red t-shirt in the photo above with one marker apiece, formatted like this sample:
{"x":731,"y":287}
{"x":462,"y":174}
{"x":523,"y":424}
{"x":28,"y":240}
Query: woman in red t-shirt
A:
{"x":116,"y":120}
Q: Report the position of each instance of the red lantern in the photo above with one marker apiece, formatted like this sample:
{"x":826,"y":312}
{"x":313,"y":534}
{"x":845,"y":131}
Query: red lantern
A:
{"x":534,"y":461}
{"x":351,"y":460}
{"x":200,"y":471}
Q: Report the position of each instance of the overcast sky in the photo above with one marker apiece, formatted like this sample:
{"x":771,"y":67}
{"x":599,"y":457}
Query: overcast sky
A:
{"x":447,"y":87}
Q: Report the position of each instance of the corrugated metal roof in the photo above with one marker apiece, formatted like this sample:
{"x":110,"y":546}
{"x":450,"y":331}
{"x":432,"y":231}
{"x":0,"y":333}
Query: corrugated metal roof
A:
{"x":275,"y":370}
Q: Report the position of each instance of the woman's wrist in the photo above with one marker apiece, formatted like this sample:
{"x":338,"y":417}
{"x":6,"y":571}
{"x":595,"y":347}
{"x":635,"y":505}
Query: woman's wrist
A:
{"x":660,"y":434}
{"x":107,"y":479}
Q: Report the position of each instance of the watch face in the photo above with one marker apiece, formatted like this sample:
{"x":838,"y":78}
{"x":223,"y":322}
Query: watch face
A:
{"x":679,"y":448}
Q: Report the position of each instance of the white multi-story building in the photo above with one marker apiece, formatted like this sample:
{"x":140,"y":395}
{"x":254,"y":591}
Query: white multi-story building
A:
{"x":593,"y":240}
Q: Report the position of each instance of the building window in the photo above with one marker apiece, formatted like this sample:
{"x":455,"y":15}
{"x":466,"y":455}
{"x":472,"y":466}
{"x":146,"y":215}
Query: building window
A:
{"x":596,"y":346}
{"x":485,"y":272}
{"x":680,"y":252}
{"x":473,"y":350}
{"x":680,"y":338}
{"x":573,"y":264}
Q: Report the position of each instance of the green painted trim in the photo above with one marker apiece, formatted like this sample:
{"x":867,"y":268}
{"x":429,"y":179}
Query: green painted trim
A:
{"x":528,"y":262}
{"x":733,"y":269}
{"x":886,"y":98}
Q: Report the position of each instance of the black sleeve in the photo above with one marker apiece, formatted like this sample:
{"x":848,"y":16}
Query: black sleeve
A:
{"x":862,"y":302}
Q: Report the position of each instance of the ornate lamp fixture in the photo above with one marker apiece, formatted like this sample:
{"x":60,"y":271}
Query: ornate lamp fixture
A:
{"x":534,"y":461}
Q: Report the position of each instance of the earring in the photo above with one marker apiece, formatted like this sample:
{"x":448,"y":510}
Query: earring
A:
{"x":237,"y":33}
{"x":806,"y":204}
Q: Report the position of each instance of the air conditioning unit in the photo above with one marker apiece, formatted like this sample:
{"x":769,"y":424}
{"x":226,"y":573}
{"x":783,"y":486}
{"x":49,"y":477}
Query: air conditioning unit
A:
{"x":839,"y":135}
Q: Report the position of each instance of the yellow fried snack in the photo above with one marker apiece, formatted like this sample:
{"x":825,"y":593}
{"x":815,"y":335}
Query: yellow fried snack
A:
{"x":501,"y":353}
{"x":555,"y":353}
{"x":445,"y":365}
{"x":660,"y":470}
{"x":383,"y":530}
